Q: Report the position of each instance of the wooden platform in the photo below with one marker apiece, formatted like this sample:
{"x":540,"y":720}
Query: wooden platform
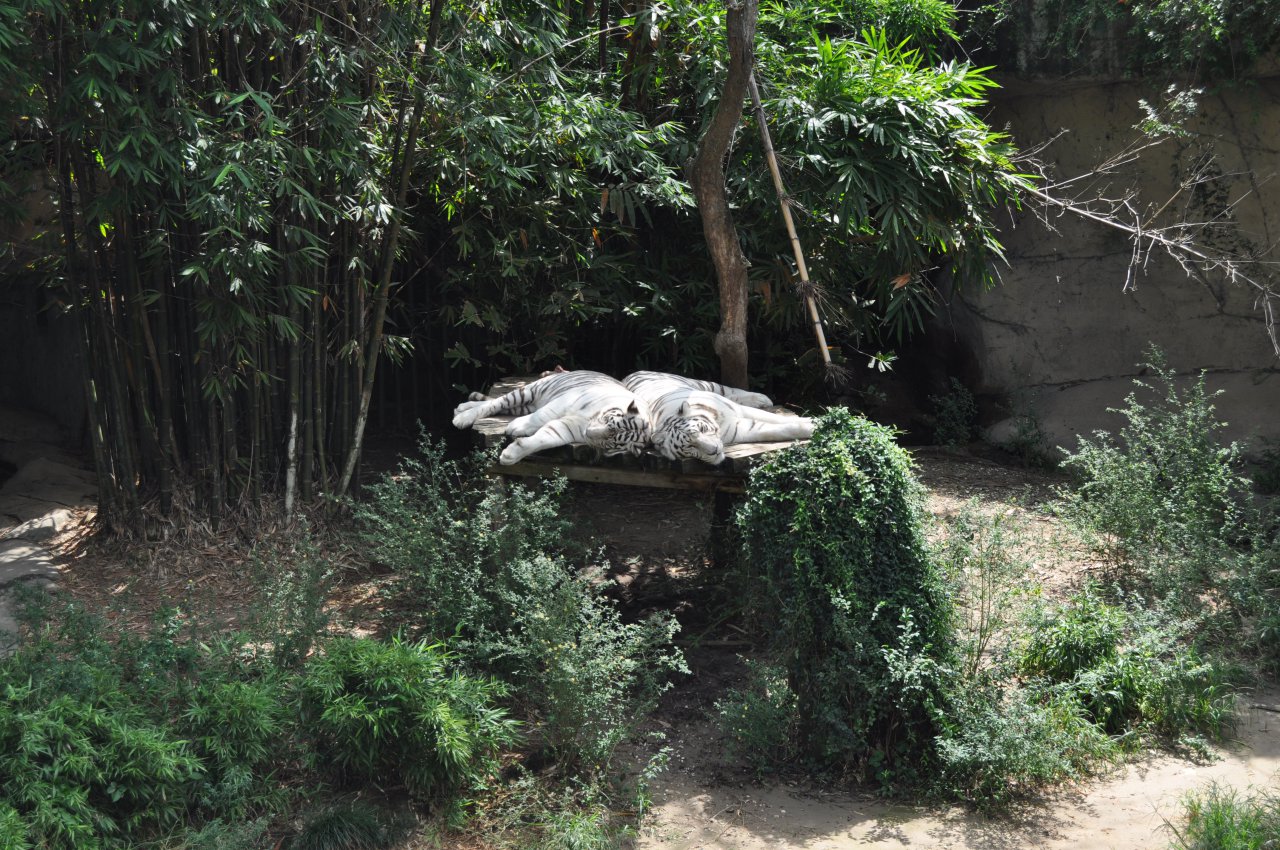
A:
{"x":582,"y":463}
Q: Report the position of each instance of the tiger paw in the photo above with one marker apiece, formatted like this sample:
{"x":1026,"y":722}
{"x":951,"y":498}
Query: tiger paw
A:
{"x":521,"y":426}
{"x":512,"y":453}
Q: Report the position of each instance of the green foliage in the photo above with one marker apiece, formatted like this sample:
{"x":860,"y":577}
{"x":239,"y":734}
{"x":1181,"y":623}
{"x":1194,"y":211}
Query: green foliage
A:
{"x":392,"y":713}
{"x":998,"y":743}
{"x":1211,"y":39}
{"x":219,"y":834}
{"x":982,"y":558}
{"x":449,"y":535}
{"x":228,"y":176}
{"x":13,"y":829}
{"x":349,"y":826}
{"x":589,"y":675}
{"x":1062,"y":642}
{"x":296,"y":580}
{"x":114,"y":740}
{"x":1166,"y":493}
{"x":759,"y":719}
{"x":491,"y":566}
{"x":1224,"y":819}
{"x":126,"y":738}
{"x":235,"y":728}
{"x":832,"y":542}
{"x":955,"y":415}
{"x":566,"y":205}
{"x":1267,"y":475}
{"x":85,"y":775}
{"x":1134,"y":671}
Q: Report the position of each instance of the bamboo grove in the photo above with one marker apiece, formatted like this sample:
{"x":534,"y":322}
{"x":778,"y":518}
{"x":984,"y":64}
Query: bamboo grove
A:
{"x":229,"y":178}
{"x":246,"y":192}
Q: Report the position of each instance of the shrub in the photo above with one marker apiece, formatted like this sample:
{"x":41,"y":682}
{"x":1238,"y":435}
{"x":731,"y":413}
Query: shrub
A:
{"x":999,"y":742}
{"x":588,"y":676}
{"x":86,"y":776}
{"x":1223,"y":819}
{"x":347,"y":826}
{"x":1167,"y":493}
{"x":13,"y":829}
{"x":759,"y":719}
{"x":955,"y":415}
{"x":1157,"y":684}
{"x":1132,"y":670}
{"x":296,"y":580}
{"x":832,"y":544}
{"x":449,"y":533}
{"x":239,"y":730}
{"x":492,"y":567}
{"x":981,"y":557}
{"x":1063,"y":642}
{"x":392,"y":712}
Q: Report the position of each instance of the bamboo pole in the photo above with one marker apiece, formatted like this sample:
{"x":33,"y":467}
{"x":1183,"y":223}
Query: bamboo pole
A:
{"x":806,"y":289}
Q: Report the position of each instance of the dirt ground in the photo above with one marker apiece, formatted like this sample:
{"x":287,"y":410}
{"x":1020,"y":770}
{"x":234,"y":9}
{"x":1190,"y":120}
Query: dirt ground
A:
{"x":656,"y":545}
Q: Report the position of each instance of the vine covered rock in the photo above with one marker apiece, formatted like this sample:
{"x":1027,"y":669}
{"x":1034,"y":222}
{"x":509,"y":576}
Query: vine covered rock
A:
{"x":833,"y":548}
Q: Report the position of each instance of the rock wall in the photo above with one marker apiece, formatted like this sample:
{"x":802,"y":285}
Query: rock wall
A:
{"x":1062,"y":336}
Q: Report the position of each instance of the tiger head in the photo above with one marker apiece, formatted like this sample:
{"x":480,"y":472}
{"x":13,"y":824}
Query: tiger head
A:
{"x":691,"y":435}
{"x":616,"y":431}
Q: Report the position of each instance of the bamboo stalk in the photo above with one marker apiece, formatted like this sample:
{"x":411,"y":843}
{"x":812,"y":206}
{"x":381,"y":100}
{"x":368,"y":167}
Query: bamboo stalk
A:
{"x":805,"y":287}
{"x":382,"y":296}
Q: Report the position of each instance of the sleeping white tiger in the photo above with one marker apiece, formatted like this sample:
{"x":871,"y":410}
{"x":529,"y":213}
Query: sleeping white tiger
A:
{"x":697,"y":419}
{"x":565,"y":408}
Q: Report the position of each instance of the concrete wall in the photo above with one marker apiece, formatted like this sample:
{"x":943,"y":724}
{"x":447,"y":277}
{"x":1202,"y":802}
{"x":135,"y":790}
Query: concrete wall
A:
{"x":1062,"y":335}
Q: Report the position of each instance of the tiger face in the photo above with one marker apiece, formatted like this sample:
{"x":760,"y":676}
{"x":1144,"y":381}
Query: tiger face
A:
{"x":691,"y":437}
{"x":616,"y":431}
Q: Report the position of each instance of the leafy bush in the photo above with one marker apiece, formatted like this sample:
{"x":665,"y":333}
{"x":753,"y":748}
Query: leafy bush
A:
{"x":1167,"y":492}
{"x":296,"y":580}
{"x":999,"y":742}
{"x":834,"y":553}
{"x":1224,"y":819}
{"x":174,"y":735}
{"x":392,"y":712}
{"x":348,"y":826}
{"x":13,"y":829}
{"x":449,"y":534}
{"x":238,"y":729}
{"x":955,"y":415}
{"x":1062,"y":642}
{"x":86,"y":776}
{"x":1133,"y":670}
{"x":982,"y":560}
{"x":586,"y":673}
{"x":492,"y":567}
{"x":759,"y":719}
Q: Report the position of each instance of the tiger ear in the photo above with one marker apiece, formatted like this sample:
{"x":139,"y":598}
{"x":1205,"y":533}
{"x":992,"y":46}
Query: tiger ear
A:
{"x":684,"y":409}
{"x":633,"y":408}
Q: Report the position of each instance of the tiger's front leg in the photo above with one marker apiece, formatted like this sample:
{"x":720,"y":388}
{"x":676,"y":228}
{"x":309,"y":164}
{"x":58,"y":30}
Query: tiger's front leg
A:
{"x":523,"y":426}
{"x":469,"y":412}
{"x":553,"y":434}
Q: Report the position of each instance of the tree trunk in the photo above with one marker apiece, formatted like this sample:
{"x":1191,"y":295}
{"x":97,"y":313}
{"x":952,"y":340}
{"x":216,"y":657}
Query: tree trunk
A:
{"x":707,"y":177}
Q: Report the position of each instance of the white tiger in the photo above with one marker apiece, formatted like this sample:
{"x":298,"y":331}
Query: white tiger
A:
{"x":564,"y":408}
{"x":697,"y":419}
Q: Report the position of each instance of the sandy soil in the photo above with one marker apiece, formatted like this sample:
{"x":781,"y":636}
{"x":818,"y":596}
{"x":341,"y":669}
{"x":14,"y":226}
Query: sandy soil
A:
{"x":1125,"y":811}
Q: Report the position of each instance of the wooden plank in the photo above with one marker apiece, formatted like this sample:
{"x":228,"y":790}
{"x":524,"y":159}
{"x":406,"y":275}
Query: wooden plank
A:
{"x":670,"y":479}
